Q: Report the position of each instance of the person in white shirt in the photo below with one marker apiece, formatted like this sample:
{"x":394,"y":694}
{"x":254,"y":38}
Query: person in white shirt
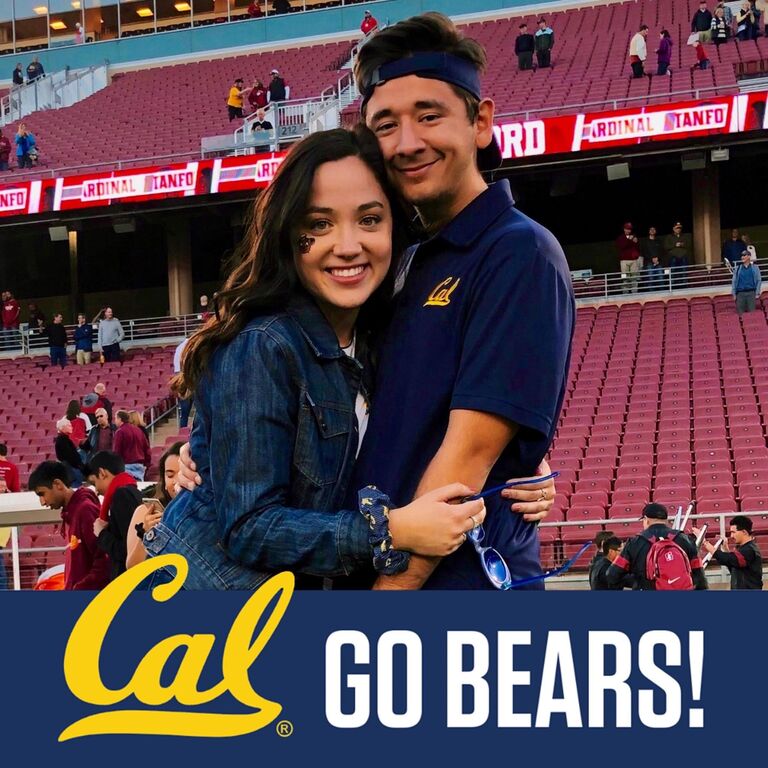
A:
{"x":638,"y":51}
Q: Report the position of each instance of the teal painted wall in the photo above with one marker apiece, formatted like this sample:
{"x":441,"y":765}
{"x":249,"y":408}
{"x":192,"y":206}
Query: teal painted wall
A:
{"x":240,"y":33}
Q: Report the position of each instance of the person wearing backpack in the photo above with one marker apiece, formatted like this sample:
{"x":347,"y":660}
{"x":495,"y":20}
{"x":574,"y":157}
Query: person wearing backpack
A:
{"x":660,"y":558}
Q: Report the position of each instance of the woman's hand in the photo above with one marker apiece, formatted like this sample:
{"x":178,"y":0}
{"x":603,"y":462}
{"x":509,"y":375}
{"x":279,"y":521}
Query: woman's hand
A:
{"x":187,"y":477}
{"x":431,"y":526}
{"x":533,"y":502}
{"x":152,"y":516}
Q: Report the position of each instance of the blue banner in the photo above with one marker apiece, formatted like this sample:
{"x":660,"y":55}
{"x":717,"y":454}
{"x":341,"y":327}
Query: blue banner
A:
{"x":379,"y":679}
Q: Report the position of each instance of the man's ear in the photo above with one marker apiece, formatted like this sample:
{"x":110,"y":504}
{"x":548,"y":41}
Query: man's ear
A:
{"x":484,"y":123}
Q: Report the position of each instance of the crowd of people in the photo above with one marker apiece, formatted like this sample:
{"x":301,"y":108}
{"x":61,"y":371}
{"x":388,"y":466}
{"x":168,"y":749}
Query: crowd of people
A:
{"x":258,"y":95}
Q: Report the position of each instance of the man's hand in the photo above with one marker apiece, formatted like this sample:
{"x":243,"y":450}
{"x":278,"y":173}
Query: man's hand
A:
{"x":709,"y":547}
{"x":98,"y":526}
{"x":187,"y":477}
{"x":533,"y":501}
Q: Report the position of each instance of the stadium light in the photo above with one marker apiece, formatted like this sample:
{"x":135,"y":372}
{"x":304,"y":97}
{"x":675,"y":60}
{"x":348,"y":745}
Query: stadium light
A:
{"x":40,"y":10}
{"x":721,"y":155}
{"x":695,"y":161}
{"x":76,"y":4}
{"x":58,"y":234}
{"x":617,"y":171}
{"x":144,"y":12}
{"x":124,"y":226}
{"x":57,"y":25}
{"x":182,"y":7}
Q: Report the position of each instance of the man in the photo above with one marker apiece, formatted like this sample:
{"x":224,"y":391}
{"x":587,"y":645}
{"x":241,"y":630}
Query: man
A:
{"x":86,"y":566}
{"x":10,"y":317}
{"x":235,"y":99}
{"x":25,"y":143}
{"x":18,"y":75}
{"x":83,"y":337}
{"x":633,"y":558}
{"x":110,"y":335}
{"x":600,"y":537}
{"x":132,"y":446}
{"x":369,"y":23}
{"x":678,"y":244}
{"x":9,"y":472}
{"x":57,"y":340}
{"x":103,"y":401}
{"x":36,"y":318}
{"x":653,"y":275}
{"x":702,"y":19}
{"x":611,"y":547}
{"x":5,"y":152}
{"x":106,"y":472}
{"x":638,"y":51}
{"x":524,"y":46}
{"x":651,"y":246}
{"x":185,"y":403}
{"x":34,"y":70}
{"x":281,"y":6}
{"x":544,"y":42}
{"x":470,"y":413}
{"x":629,"y":258}
{"x":204,"y":309}
{"x":745,"y":563}
{"x":746,"y":284}
{"x":732,"y":248}
{"x":278,"y":89}
{"x":261,"y":125}
{"x":101,"y":437}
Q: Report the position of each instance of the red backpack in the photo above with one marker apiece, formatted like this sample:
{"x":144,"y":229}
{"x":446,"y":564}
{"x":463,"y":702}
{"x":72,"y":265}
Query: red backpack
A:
{"x":667,"y":565}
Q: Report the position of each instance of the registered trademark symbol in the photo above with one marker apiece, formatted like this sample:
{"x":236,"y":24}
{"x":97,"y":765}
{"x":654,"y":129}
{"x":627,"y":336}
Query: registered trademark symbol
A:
{"x":284,"y":728}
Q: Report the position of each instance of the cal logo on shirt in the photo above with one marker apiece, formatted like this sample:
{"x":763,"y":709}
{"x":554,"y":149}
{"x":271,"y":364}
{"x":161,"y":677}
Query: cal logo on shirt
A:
{"x":441,"y":295}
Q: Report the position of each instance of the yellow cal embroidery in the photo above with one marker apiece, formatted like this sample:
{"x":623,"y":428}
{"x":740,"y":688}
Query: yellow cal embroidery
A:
{"x":441,"y":295}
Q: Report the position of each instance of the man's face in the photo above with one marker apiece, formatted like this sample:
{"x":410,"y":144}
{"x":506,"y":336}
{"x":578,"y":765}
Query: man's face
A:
{"x":428,"y":143}
{"x":58,"y":319}
{"x":613,"y":554}
{"x":734,"y":234}
{"x":655,"y":261}
{"x":52,"y":497}
{"x":652,"y":231}
{"x":678,"y":229}
{"x":260,"y":114}
{"x":627,"y":231}
{"x":101,"y":418}
{"x":108,"y":313}
{"x":100,"y":482}
{"x":739,"y":537}
{"x":81,"y":319}
{"x":745,"y":260}
{"x":644,"y":32}
{"x":524,"y":29}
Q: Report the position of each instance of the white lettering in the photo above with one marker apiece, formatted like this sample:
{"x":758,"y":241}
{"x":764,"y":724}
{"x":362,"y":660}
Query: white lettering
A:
{"x":385,"y":678}
{"x":509,"y":677}
{"x":670,"y":716}
{"x":360,"y":684}
{"x":600,"y":682}
{"x":558,"y":656}
{"x":457,"y":678}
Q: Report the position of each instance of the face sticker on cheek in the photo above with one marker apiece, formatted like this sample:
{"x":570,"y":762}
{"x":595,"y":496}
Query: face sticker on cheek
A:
{"x":305,"y":242}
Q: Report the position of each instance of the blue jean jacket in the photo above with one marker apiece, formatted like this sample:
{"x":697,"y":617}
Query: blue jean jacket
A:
{"x":274,"y":440}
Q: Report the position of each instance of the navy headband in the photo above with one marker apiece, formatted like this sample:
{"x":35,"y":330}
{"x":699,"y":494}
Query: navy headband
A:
{"x":433,"y":66}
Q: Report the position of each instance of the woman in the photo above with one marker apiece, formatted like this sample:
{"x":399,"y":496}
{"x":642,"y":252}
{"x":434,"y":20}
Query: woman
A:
{"x":80,"y":424}
{"x":281,"y":388}
{"x":664,"y":52}
{"x":746,"y":22}
{"x":147,"y":516}
{"x":67,"y":453}
{"x":719,"y":26}
{"x":257,"y":98}
{"x":25,"y":142}
{"x":137,"y":419}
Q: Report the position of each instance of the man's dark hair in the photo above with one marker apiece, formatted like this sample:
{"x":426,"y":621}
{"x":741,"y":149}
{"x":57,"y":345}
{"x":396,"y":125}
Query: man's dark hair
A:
{"x":742,"y":523}
{"x":541,"y":21}
{"x":523,"y":26}
{"x":600,"y":537}
{"x":612,"y":542}
{"x":430,"y":32}
{"x":3,"y":449}
{"x":44,"y":475}
{"x":643,"y":26}
{"x":106,"y":460}
{"x":123,"y":416}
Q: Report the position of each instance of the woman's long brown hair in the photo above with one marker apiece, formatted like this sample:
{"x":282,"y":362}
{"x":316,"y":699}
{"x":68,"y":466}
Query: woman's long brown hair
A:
{"x":265,"y":278}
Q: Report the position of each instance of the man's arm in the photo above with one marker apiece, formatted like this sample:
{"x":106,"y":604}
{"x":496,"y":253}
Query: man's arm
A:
{"x":735,"y":559}
{"x":472,"y":444}
{"x":120,"y":332}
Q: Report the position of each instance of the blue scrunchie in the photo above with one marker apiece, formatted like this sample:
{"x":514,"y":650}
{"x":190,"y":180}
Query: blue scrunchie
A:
{"x":374,"y":506}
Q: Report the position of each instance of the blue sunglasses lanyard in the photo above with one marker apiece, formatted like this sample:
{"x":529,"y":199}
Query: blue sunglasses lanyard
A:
{"x":513,"y":484}
{"x":564,"y":567}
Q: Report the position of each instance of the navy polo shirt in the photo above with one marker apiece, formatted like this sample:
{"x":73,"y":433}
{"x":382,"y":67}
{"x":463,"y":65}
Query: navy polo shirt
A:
{"x":484,"y":323}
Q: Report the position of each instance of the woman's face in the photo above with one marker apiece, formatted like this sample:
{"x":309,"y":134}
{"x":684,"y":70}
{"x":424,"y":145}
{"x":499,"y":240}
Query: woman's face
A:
{"x":171,"y":470}
{"x":347,"y":250}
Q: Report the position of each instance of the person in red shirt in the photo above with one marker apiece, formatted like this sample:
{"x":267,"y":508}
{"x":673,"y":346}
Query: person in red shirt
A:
{"x":132,"y":446}
{"x":254,"y":10}
{"x":10,"y":317}
{"x":629,"y":257}
{"x":9,"y":473}
{"x":86,"y":565}
{"x":5,"y":151}
{"x":702,"y":60}
{"x":257,"y":98}
{"x":369,"y":23}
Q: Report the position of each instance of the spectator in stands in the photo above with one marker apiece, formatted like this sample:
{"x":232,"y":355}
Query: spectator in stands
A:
{"x":702,"y":19}
{"x":204,"y":308}
{"x":110,"y":335}
{"x":632,"y":559}
{"x":600,"y":537}
{"x":18,"y":75}
{"x":67,"y":453}
{"x":720,"y":26}
{"x":25,"y":142}
{"x":86,"y":565}
{"x":101,"y":437}
{"x":745,"y":239}
{"x":727,"y":15}
{"x":35,"y":70}
{"x":653,"y":275}
{"x":638,"y":51}
{"x":235,"y":99}
{"x":132,"y":446}
{"x":135,"y":418}
{"x":611,"y":546}
{"x":679,"y":264}
{"x":11,"y":312}
{"x":79,"y":34}
{"x":81,"y":424}
{"x":254,"y":9}
{"x":36,"y":318}
{"x":651,"y":246}
{"x":9,"y":472}
{"x":702,"y":59}
{"x":629,"y":257}
{"x":369,"y":23}
{"x":103,"y":402}
{"x":732,"y":248}
{"x":83,"y":338}
{"x":664,"y":53}
{"x":147,"y":515}
{"x":57,"y":340}
{"x":5,"y":151}
{"x":746,"y":22}
{"x":106,"y":472}
{"x":257,"y":96}
{"x":524,"y":46}
{"x":678,"y":244}
{"x":745,"y":562}
{"x":261,"y":123}
{"x":185,"y":403}
{"x":278,"y":89}
{"x":746,"y":284}
{"x":544,"y":42}
{"x":281,"y":6}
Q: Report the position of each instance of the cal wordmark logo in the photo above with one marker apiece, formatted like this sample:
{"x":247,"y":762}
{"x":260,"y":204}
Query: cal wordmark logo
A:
{"x":441,"y":295}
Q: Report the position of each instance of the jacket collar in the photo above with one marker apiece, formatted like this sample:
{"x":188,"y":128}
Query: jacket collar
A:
{"x":314,"y":327}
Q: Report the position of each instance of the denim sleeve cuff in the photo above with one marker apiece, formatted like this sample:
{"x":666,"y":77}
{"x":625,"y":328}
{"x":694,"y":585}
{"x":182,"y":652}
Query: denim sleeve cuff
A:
{"x":352,"y":541}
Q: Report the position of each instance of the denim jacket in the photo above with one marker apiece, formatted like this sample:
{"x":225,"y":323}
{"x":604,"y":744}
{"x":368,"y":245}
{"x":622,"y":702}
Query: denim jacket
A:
{"x":274,"y":441}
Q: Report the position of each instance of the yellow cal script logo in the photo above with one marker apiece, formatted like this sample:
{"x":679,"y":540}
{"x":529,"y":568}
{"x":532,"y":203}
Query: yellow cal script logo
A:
{"x":81,"y":664}
{"x":441,"y":295}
